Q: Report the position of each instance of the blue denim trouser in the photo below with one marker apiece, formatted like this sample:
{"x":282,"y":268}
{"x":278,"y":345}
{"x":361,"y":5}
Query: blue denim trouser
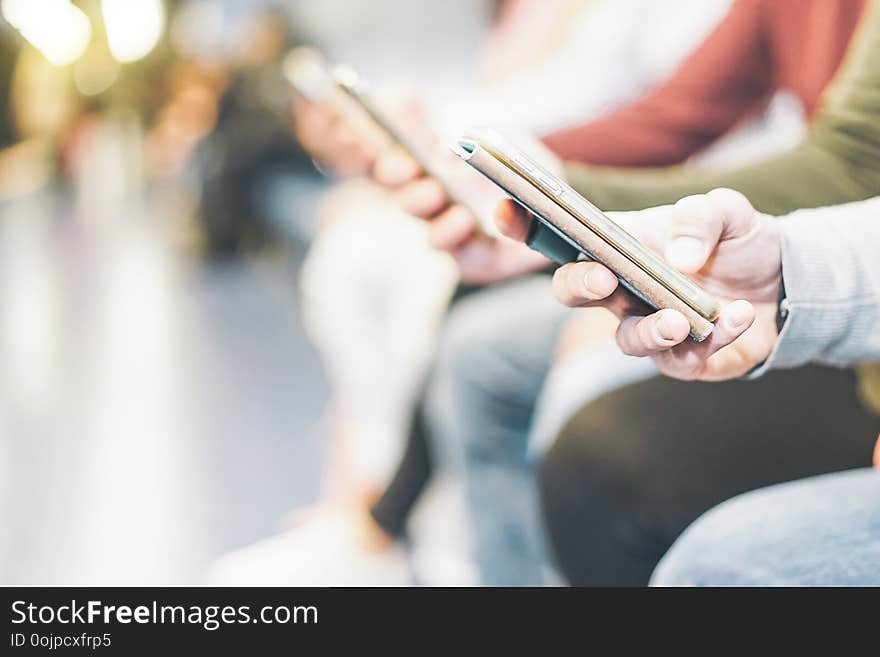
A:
{"x":821,"y":531}
{"x":495,"y":351}
{"x":492,"y":410}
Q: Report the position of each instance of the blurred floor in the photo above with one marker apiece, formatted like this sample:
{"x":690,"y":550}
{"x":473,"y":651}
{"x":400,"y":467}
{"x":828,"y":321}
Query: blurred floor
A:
{"x":154,"y":412}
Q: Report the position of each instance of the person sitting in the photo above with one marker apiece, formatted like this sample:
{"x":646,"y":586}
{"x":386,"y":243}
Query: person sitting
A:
{"x":492,"y":437}
{"x":799,"y":289}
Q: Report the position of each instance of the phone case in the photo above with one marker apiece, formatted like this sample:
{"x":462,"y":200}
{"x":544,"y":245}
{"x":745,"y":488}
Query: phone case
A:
{"x":567,"y":227}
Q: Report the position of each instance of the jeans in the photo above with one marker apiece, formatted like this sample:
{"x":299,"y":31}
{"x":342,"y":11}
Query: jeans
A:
{"x":494,"y":403}
{"x":495,"y":351}
{"x":821,"y":531}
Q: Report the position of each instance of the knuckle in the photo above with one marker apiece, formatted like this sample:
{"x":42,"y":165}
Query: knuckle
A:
{"x":560,"y":286}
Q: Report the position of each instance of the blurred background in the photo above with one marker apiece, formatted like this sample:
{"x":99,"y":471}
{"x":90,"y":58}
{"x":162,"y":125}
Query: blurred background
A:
{"x":160,"y":403}
{"x":173,"y":325}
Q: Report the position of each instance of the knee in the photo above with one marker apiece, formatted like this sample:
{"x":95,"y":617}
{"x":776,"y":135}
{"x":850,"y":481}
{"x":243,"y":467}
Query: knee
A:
{"x":561,"y":476}
{"x":784,"y":535}
{"x":586,"y":470}
{"x":714,"y":549}
{"x":592,"y":504}
{"x":744,"y":541}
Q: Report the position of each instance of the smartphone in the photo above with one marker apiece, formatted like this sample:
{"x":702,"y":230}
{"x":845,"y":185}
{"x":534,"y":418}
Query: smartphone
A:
{"x":345,"y":93}
{"x":588,"y":230}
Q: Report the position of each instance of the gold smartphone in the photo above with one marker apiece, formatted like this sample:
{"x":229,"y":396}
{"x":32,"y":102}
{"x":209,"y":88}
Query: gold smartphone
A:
{"x":586,"y":228}
{"x":344,"y":92}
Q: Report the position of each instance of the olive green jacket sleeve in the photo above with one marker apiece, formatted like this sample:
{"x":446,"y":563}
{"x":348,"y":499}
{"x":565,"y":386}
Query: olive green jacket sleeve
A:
{"x":837,"y":162}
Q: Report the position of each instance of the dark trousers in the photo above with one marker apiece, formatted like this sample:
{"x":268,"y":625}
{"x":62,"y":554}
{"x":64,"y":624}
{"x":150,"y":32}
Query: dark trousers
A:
{"x":633,"y":469}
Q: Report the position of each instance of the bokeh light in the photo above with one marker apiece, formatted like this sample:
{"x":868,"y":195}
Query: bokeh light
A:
{"x":133,"y":27}
{"x":57,"y":28}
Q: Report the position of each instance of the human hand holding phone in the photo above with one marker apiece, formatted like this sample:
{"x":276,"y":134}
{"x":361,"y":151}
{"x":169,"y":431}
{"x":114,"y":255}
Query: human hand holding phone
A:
{"x":352,"y":133}
{"x":337,"y":123}
{"x":728,"y":248}
{"x":347,"y":144}
{"x":330,"y":140}
{"x":453,"y":227}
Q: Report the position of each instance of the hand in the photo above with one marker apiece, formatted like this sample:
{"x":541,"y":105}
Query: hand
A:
{"x":330,"y":140}
{"x":727,"y":247}
{"x":452,"y":227}
{"x":348,"y":147}
{"x":345,"y":139}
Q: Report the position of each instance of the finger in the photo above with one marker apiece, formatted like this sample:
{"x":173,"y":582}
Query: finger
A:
{"x":656,"y":333}
{"x":355,"y":163}
{"x":699,"y":222}
{"x":701,"y":359}
{"x":728,"y":363}
{"x":395,"y":168}
{"x":513,"y":220}
{"x":300,"y":105}
{"x":581,"y":283}
{"x":424,"y":197}
{"x":734,"y":320}
{"x":310,"y":119}
{"x":449,"y":230}
{"x":409,"y":112}
{"x":693,"y":232}
{"x":347,"y":152}
{"x":343,"y":137}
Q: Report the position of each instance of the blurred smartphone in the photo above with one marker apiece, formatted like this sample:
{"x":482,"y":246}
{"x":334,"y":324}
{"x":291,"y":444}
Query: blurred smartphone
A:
{"x":343,"y":92}
{"x":586,"y":228}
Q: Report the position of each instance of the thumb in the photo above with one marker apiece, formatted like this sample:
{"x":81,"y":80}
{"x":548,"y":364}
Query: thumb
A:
{"x":700,"y":222}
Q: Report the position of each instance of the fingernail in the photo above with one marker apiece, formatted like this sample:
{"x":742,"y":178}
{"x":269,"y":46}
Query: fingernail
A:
{"x":587,"y":285}
{"x":685,"y":252}
{"x":594,"y":283}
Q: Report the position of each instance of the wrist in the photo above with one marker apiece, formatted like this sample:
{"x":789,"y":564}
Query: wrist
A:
{"x":818,"y":309}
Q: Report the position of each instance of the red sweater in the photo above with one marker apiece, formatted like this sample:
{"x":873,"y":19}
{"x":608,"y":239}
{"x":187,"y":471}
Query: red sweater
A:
{"x":761,"y":47}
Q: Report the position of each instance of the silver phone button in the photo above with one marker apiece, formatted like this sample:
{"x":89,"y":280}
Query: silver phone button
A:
{"x":524,"y":164}
{"x":550,"y":184}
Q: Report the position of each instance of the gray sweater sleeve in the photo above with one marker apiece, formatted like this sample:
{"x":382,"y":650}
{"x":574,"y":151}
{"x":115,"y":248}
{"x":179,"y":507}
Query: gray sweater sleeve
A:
{"x":831,"y":270}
